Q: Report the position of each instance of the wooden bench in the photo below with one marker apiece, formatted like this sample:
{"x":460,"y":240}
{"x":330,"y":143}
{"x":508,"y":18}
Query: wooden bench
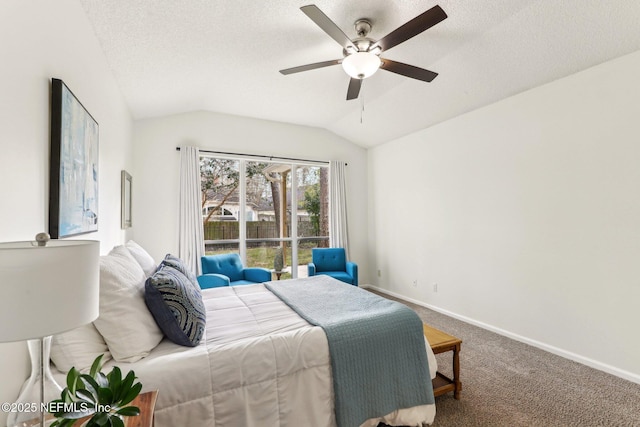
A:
{"x":441,"y":342}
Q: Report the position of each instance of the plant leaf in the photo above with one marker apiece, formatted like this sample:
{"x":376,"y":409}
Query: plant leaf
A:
{"x":101,"y":379}
{"x":86,"y":395}
{"x":127,"y":383}
{"x":96,"y":366}
{"x":68,"y":398}
{"x":72,"y":378}
{"x":115,"y":382}
{"x":129,"y":411}
{"x":105,"y":395}
{"x":54,"y":402}
{"x":131,"y":394}
{"x":91,"y":385}
{"x":101,"y":418}
{"x":116,"y":421}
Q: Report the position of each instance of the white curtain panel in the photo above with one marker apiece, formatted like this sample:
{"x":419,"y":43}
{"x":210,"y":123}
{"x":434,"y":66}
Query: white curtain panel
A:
{"x":338,"y":232}
{"x":190,"y":231}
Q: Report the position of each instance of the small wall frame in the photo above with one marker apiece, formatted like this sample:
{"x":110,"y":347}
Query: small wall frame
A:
{"x":125,"y":191}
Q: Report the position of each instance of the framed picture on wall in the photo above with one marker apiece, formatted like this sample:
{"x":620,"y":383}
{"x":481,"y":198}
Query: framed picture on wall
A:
{"x":125,"y":190}
{"x":73,"y":183}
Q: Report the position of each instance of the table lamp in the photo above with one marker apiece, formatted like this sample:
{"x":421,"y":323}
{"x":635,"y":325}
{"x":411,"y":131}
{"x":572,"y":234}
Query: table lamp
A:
{"x":47,"y":287}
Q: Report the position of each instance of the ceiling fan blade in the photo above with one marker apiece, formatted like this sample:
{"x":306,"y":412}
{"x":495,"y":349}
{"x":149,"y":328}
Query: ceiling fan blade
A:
{"x":408,"y":70}
{"x":354,"y":88}
{"x":412,"y":28}
{"x":310,"y":66}
{"x":327,"y":25}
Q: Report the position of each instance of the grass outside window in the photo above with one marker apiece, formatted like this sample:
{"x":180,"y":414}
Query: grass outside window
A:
{"x":263,"y":257}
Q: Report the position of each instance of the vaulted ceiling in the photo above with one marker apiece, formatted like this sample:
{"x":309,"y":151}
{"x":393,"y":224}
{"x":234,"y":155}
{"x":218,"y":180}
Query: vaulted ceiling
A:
{"x":171,"y":56}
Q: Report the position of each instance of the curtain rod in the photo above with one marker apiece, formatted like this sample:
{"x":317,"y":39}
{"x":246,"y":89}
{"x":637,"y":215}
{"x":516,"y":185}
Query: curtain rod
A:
{"x":260,"y":156}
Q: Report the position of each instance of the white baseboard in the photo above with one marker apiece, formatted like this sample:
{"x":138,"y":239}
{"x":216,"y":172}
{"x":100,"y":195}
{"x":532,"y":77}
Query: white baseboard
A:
{"x":551,"y":349}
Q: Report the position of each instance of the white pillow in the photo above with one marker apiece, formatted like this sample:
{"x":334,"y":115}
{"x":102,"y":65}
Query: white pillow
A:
{"x":125,"y":322}
{"x":78,"y":347}
{"x":145,"y":260}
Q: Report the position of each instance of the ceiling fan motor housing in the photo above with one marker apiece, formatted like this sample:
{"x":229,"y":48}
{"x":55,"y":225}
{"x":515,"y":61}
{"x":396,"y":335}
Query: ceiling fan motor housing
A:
{"x":361,"y":63}
{"x":363,"y":44}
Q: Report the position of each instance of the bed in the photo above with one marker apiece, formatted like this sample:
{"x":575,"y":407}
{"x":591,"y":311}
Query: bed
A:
{"x":259,"y":363}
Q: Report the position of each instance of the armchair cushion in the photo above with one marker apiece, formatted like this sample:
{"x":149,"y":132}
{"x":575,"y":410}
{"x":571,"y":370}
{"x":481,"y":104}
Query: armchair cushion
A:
{"x":257,"y":275}
{"x":228,"y":265}
{"x":213,"y":280}
{"x":227,"y":270}
{"x":340,"y":275}
{"x":329,"y":259}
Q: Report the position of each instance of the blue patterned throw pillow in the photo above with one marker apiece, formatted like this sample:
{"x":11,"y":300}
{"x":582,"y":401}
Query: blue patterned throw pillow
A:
{"x":176,"y":305}
{"x":178,"y":264}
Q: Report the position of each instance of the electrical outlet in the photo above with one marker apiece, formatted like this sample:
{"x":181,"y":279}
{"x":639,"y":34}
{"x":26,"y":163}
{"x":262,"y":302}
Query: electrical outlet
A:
{"x":435,"y":287}
{"x":415,"y":283}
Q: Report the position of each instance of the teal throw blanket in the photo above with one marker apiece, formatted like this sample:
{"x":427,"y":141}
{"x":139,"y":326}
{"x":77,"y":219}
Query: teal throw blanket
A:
{"x":377,"y":347}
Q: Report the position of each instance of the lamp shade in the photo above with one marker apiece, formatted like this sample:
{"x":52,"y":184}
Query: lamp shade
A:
{"x":46,"y":290}
{"x":361,"y":65}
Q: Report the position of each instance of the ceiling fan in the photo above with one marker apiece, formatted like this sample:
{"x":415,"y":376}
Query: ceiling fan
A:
{"x":362,"y":55}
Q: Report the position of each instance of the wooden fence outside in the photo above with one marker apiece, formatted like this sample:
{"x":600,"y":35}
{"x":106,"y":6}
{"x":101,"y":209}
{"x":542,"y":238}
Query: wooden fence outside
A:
{"x":226,"y":230}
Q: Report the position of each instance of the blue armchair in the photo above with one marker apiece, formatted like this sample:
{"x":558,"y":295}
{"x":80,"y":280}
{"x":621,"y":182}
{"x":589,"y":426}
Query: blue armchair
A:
{"x":333,"y":262}
{"x":227,"y":270}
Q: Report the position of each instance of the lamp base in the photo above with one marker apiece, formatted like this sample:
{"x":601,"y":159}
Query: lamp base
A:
{"x":40,"y":389}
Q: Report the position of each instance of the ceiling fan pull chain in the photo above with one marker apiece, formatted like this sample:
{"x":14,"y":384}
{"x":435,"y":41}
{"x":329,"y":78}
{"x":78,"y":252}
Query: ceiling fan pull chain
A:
{"x":361,"y":107}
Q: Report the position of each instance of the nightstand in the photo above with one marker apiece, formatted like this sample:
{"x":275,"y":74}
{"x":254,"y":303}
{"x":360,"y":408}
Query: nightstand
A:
{"x":147,"y":404}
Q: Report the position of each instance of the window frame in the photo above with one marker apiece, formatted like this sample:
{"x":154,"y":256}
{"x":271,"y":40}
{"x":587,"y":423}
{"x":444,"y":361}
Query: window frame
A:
{"x":293,"y":239}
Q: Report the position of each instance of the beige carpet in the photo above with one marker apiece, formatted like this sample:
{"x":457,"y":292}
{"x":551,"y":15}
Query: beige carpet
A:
{"x":508,"y":383}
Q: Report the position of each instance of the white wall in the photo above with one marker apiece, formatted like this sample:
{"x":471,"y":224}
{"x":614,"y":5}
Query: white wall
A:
{"x":526,"y":213}
{"x":41,"y":40}
{"x":158,"y":163}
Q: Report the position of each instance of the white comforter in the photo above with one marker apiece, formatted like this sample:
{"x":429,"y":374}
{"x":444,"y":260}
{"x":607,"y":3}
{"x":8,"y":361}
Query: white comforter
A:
{"x":259,"y":365}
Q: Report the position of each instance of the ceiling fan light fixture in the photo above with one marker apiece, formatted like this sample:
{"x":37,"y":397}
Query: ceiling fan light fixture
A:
{"x":361,"y":65}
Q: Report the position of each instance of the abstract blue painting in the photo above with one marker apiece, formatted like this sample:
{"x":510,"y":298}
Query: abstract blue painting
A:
{"x":73,"y":198}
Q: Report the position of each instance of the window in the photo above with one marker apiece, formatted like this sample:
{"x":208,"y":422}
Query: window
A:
{"x":255,"y":208}
{"x":219,"y":184}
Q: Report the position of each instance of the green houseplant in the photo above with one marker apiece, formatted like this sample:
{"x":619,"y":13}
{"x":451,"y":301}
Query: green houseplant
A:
{"x":102,"y":397}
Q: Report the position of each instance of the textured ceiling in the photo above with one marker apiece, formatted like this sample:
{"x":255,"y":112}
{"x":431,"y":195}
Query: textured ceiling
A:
{"x":171,"y":56}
